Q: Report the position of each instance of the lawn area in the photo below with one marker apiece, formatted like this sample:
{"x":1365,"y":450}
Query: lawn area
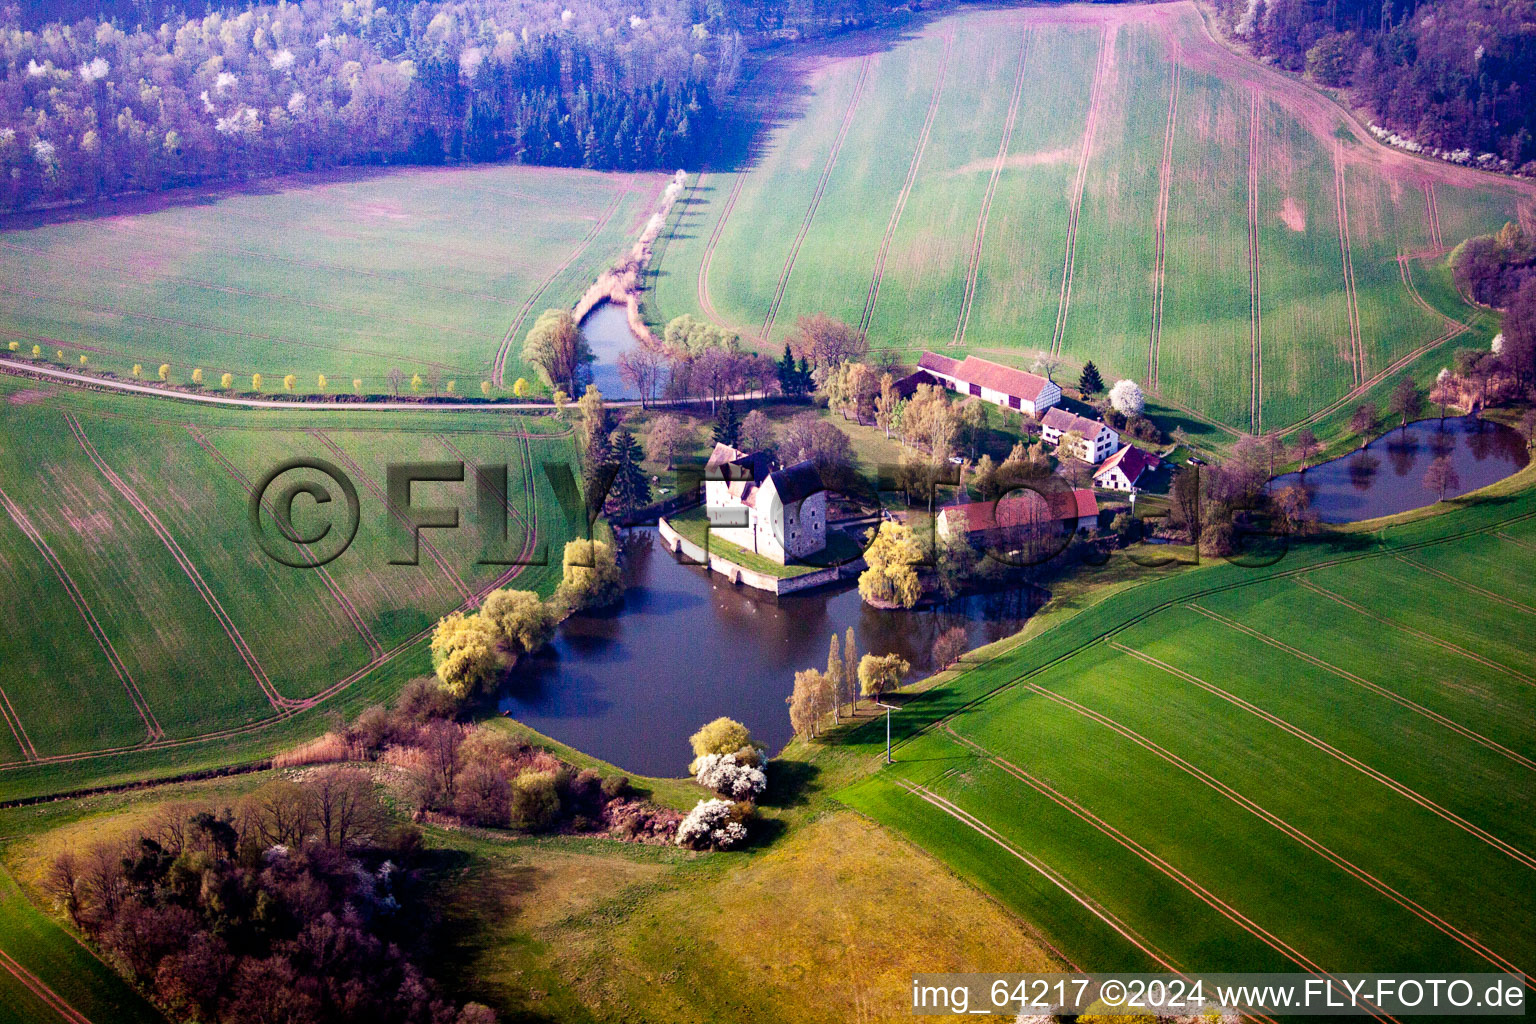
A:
{"x":693,"y":524}
{"x":350,"y":275}
{"x":1339,"y":745}
{"x":1178,"y":215}
{"x":146,"y":626}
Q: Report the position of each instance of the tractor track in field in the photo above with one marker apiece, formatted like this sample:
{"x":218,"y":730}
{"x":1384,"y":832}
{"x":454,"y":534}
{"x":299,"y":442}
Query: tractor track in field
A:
{"x":906,"y":189}
{"x":92,"y":624}
{"x":120,"y":271}
{"x":1432,"y":210}
{"x":32,"y":983}
{"x":295,"y":706}
{"x":13,"y":723}
{"x":1023,"y":678}
{"x":1075,"y":209}
{"x":1453,"y":329}
{"x":242,"y":648}
{"x":459,"y":454}
{"x":211,"y":329}
{"x":1351,"y":301}
{"x":1516,"y":541}
{"x":973,"y":267}
{"x":1376,"y":688}
{"x":357,"y":471}
{"x":1160,"y":229}
{"x":1051,"y":875}
{"x":1464,"y":938}
{"x":345,"y":603}
{"x":821,"y":189}
{"x":1147,"y":856}
{"x":1255,"y":301}
{"x":1470,"y":588}
{"x":1508,"y":849}
{"x":706,"y":304}
{"x":1405,"y":628}
{"x":499,"y":363}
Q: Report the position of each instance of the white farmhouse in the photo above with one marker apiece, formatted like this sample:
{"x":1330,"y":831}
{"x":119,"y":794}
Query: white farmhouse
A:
{"x":1025,"y":392}
{"x":779,"y":514}
{"x":1099,"y":438}
{"x":1123,"y":469}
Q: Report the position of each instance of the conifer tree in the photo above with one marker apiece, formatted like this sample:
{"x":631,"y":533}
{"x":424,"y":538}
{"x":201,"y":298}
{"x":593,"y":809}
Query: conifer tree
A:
{"x":1090,"y":383}
{"x":630,"y":489}
{"x":727,"y":426}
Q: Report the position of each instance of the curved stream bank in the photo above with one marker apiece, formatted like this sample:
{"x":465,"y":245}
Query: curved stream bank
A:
{"x":684,"y":646}
{"x":1387,"y":476}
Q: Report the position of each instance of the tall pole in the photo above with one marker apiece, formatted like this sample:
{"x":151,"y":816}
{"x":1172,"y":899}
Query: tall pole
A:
{"x":888,"y":710}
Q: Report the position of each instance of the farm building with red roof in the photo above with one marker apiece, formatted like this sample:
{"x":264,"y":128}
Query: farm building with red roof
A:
{"x":1021,"y":516}
{"x":1025,"y":392}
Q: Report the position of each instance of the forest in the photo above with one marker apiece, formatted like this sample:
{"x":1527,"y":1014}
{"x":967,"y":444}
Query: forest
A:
{"x":1454,"y":75}
{"x":116,"y":96}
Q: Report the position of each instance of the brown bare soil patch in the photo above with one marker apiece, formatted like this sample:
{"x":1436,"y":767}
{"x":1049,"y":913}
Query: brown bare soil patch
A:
{"x":1293,"y":214}
{"x":26,"y":396}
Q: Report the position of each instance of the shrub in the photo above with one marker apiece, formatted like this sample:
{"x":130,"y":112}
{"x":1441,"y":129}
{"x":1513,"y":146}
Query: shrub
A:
{"x":616,"y":787}
{"x":590,"y":576}
{"x":725,"y":736}
{"x":524,"y":623}
{"x":535,"y":801}
{"x":483,"y":796}
{"x":724,"y":774}
{"x":712,"y":824}
{"x":465,"y":654}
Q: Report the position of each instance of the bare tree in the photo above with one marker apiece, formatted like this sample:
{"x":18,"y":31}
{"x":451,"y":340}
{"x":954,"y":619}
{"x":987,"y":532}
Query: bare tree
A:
{"x":1441,"y":476}
{"x":1047,"y":363}
{"x":641,"y":368}
{"x":827,"y":342}
{"x":1306,"y":446}
{"x":1362,"y":422}
{"x":1406,"y":400}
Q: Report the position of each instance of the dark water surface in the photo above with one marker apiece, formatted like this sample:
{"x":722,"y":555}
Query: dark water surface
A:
{"x":684,"y":646}
{"x":1387,"y":476}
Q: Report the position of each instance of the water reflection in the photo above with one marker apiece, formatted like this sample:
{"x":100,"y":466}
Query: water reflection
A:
{"x":1352,"y":487}
{"x":630,"y":684}
{"x":608,"y":334}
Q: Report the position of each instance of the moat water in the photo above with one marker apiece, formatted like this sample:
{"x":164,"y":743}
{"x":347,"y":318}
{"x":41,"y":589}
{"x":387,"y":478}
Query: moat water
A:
{"x":631,"y":684}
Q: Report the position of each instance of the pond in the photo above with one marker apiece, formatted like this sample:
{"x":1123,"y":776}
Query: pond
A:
{"x":1387,"y":476}
{"x":608,"y":334}
{"x":684,"y":646}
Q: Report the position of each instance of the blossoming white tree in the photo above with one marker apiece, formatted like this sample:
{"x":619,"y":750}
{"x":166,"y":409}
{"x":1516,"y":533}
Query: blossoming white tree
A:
{"x":727,"y":776}
{"x":711,"y":823}
{"x":1127,"y":398}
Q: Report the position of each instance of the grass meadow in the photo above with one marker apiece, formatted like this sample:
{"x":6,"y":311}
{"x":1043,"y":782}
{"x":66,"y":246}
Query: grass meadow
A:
{"x":1324,"y":763}
{"x":349,"y":275}
{"x":142,"y":618}
{"x":1148,"y":201}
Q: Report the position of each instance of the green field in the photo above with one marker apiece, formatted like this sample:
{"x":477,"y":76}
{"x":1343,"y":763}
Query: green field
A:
{"x":143,"y":625}
{"x":1105,"y":181}
{"x":350,"y":276}
{"x":1321,"y":764}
